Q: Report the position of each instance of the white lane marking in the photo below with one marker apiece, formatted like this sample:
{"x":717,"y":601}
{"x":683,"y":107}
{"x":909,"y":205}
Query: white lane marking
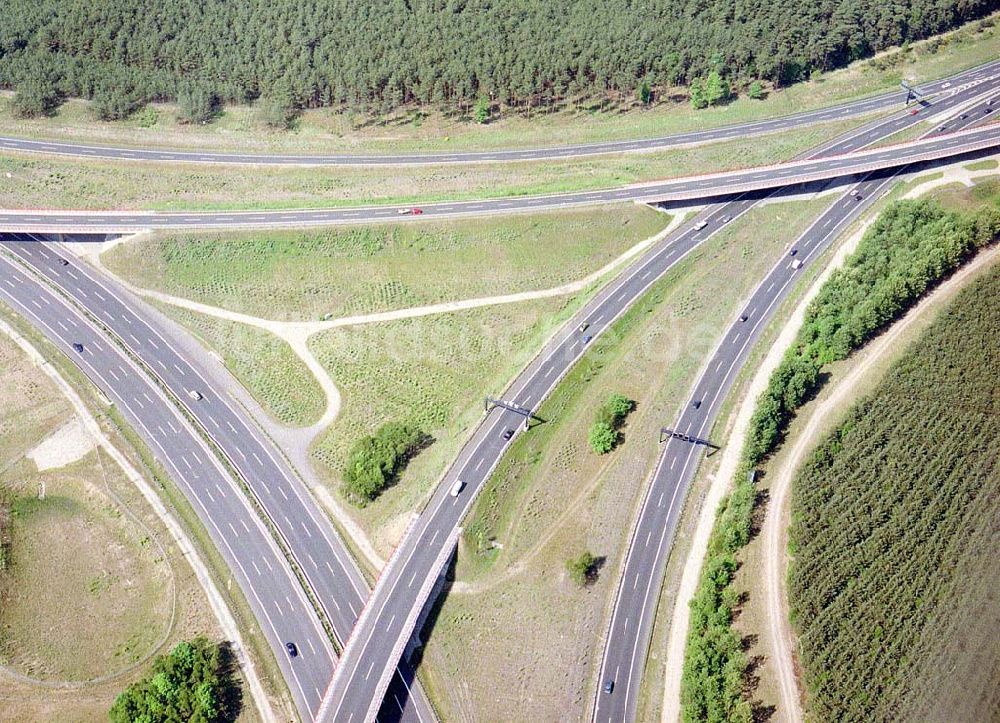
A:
{"x":237,"y":534}
{"x":244,"y":523}
{"x":306,"y":529}
{"x":179,"y":369}
{"x":254,"y":563}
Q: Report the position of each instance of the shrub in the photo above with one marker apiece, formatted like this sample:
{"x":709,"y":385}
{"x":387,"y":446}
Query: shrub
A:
{"x":374,"y":462}
{"x":36,"y":96}
{"x":583,"y":569}
{"x":197,"y":104}
{"x":602,"y":438}
{"x":279,"y":111}
{"x":608,"y":419}
{"x":756,"y":90}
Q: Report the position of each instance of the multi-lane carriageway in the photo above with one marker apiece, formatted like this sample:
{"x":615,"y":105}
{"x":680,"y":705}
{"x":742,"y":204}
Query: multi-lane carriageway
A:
{"x":863,"y":106}
{"x":286,"y":523}
{"x":376,"y":640}
{"x":75,"y":303}
{"x":690,"y":188}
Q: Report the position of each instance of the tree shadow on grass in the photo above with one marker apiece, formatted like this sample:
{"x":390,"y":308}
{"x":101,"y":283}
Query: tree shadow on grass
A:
{"x":230,"y":693}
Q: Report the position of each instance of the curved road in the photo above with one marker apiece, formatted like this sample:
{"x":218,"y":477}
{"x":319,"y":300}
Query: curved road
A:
{"x":305,"y":533}
{"x":650,"y":542}
{"x":882,"y":102}
{"x":274,"y":595}
{"x":677,"y":189}
{"x":388,"y":617}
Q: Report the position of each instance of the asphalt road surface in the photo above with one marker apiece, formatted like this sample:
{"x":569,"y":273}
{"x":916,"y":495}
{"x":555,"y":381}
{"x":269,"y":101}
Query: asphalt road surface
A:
{"x":882,"y":102}
{"x":274,"y":595}
{"x":375,"y":641}
{"x":650,"y":544}
{"x":305,"y":533}
{"x":690,"y":188}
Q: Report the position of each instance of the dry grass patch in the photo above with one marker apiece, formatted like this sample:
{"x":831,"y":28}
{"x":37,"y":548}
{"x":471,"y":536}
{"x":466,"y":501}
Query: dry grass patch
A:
{"x":303,"y":275}
{"x":552,"y":497}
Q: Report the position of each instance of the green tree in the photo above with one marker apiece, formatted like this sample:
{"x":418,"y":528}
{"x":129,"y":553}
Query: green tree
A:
{"x":602,"y":437}
{"x":279,"y":110}
{"x":756,"y":90}
{"x":583,"y":569}
{"x":645,"y":93}
{"x":482,"y":109}
{"x":36,"y":96}
{"x":197,"y":104}
{"x":375,"y":461}
{"x":194,"y":682}
{"x":716,"y":89}
{"x":699,"y":99}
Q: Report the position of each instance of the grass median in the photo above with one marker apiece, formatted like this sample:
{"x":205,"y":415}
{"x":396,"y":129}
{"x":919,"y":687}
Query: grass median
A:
{"x":552,"y":498}
{"x":52,"y":182}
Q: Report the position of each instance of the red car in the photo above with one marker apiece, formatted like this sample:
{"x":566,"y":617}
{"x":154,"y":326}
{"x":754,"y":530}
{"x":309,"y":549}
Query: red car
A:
{"x":410,"y":211}
{"x":914,"y":111}
{"x":416,"y":211}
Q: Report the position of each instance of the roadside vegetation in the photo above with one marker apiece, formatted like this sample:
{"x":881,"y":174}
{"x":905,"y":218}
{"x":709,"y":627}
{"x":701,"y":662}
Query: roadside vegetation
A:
{"x":583,"y":569}
{"x":259,"y":126}
{"x":550,"y":498}
{"x":193,"y":683}
{"x":375,"y":461}
{"x":123,"y":54}
{"x":313,"y":274}
{"x":39,"y":182}
{"x":911,"y":247}
{"x":605,"y":432}
{"x":893,"y":518}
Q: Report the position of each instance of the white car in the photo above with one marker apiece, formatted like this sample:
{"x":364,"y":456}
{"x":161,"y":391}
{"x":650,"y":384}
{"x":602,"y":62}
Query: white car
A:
{"x":194,"y":394}
{"x":457,"y":487}
{"x":700,"y":225}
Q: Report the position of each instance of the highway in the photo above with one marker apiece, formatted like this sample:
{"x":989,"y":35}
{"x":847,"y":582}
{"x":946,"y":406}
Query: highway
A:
{"x":305,"y":533}
{"x":699,"y":188}
{"x":651,"y":538}
{"x":376,"y":640}
{"x":302,"y":531}
{"x":882,"y":102}
{"x":258,"y":566}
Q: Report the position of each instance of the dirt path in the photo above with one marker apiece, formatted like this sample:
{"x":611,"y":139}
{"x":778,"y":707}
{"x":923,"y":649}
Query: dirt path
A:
{"x":224,"y":616}
{"x":781,"y":640}
{"x":297,"y":333}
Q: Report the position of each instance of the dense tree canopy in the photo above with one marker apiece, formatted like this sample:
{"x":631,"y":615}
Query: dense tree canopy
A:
{"x":382,"y":53}
{"x":193,"y":683}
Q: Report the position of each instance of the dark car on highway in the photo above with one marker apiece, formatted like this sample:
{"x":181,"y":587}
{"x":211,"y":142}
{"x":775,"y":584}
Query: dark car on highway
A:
{"x":293,"y":652}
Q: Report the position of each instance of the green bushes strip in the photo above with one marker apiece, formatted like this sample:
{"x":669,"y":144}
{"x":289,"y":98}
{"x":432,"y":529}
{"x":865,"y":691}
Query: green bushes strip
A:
{"x":911,"y":247}
{"x":376,"y":460}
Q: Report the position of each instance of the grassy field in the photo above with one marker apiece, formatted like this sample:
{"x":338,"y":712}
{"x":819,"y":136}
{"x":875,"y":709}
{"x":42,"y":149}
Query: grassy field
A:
{"x":93,"y":607}
{"x":413,"y":129}
{"x":431,"y":372}
{"x":893,"y":518}
{"x":269,"y":369}
{"x":551,"y":497}
{"x":113,"y":601}
{"x":37,"y":182}
{"x":305,"y":275}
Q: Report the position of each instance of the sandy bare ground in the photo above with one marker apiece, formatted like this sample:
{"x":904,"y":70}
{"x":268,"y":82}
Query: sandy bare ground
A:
{"x":781,"y":642}
{"x":63,"y":447}
{"x":91,"y":429}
